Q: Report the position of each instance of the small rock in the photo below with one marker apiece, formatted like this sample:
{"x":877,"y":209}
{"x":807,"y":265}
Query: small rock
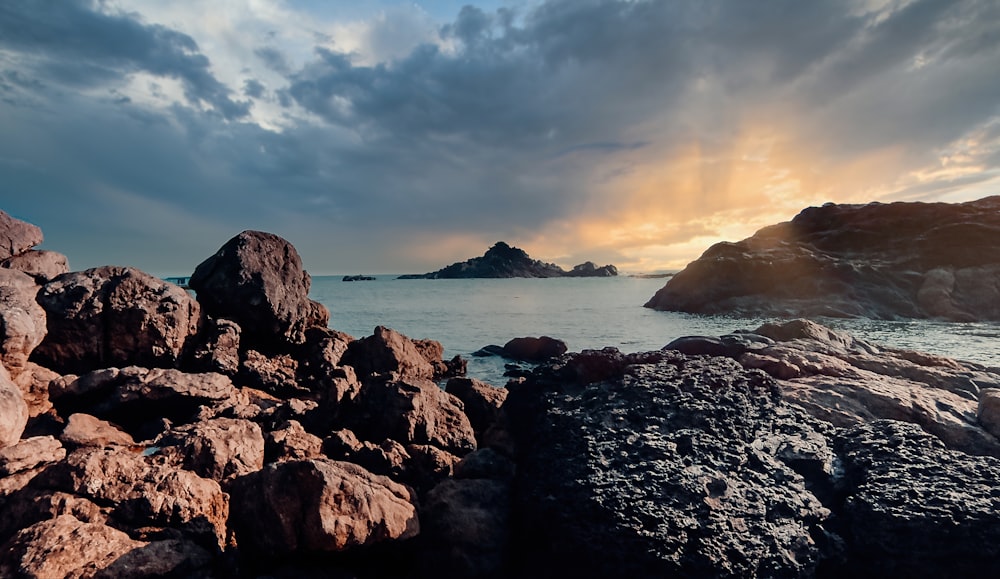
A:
{"x":534,"y":349}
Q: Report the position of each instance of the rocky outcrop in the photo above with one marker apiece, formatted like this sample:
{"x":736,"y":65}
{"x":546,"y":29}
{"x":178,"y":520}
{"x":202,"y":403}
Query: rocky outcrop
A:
{"x":114,"y":316}
{"x":319,"y":506}
{"x":256,"y":279}
{"x":898,"y":260}
{"x":504,"y":261}
{"x":16,"y":236}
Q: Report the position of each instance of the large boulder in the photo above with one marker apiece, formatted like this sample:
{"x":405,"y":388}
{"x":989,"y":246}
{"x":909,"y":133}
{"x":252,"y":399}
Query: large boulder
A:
{"x":44,"y":266}
{"x":16,"y":236}
{"x":22,"y":320}
{"x":13,"y":410}
{"x":897,"y":260}
{"x":256,"y":279}
{"x":319,"y":506}
{"x":114,"y":316}
{"x":387,"y":352}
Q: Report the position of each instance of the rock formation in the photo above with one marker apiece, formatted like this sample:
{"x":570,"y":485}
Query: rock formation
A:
{"x":247,"y":439}
{"x":504,"y":261}
{"x":887,"y":261}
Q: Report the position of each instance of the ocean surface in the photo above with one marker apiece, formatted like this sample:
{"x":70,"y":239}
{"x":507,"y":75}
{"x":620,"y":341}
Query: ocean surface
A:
{"x":586,"y":313}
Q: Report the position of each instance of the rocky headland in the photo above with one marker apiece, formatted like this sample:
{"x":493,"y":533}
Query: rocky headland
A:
{"x":505,"y":261}
{"x":884,"y":261}
{"x":145,"y":432}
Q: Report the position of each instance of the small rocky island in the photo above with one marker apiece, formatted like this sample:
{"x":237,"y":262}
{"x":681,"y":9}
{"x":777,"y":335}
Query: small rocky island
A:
{"x":883,"y":261}
{"x":505,"y":261}
{"x":145,"y":432}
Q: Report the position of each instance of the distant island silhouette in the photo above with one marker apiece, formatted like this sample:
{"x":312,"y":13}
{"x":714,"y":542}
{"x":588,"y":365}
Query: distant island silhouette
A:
{"x":505,"y":261}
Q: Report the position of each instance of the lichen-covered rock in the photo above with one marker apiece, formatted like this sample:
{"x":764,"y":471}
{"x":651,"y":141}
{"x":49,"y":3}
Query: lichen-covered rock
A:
{"x":16,"y":236}
{"x":22,"y":320}
{"x":319,"y":506}
{"x":44,"y":266}
{"x":256,"y":279}
{"x":114,"y":316}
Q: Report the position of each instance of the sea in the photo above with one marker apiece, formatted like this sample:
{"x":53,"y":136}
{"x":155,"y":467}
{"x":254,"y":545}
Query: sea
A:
{"x":586,"y":313}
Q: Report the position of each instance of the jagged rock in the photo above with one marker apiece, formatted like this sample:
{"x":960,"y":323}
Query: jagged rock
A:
{"x":256,"y":279}
{"x":480,"y":401}
{"x":427,"y":466}
{"x":319,"y":505}
{"x":915,"y":509}
{"x":34,"y":381}
{"x":30,"y":453}
{"x":320,"y":356}
{"x":13,"y":410}
{"x":167,"y":558}
{"x":531,"y":349}
{"x":387,"y":352}
{"x":433,"y":352}
{"x":219,"y":348}
{"x":16,"y":236}
{"x":140,"y":494}
{"x":64,"y":547}
{"x":505,"y":261}
{"x":220,"y":449}
{"x":22,"y":320}
{"x":888,"y":261}
{"x":290,"y":441}
{"x":28,"y":506}
{"x":412,"y":412}
{"x":389,"y":458}
{"x":43,"y":266}
{"x":673,"y":467}
{"x":86,"y":430}
{"x":133,"y":396}
{"x":274,"y":374}
{"x":114,"y":316}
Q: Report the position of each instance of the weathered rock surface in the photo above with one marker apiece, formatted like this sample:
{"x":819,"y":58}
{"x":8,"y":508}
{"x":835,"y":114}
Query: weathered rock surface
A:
{"x":481,"y":402}
{"x":505,"y":261}
{"x":87,"y":430}
{"x":22,"y":320}
{"x":465,"y":525}
{"x":256,"y":279}
{"x":220,"y":449}
{"x":319,"y":505}
{"x":389,"y":353}
{"x":44,"y":266}
{"x":898,"y":260}
{"x":16,"y":236}
{"x":34,"y":381}
{"x":218,"y":349}
{"x":114,"y":316}
{"x":13,"y":410}
{"x":30,"y":453}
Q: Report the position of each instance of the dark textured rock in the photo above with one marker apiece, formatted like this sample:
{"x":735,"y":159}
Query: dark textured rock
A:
{"x":898,"y":260}
{"x":256,"y":279}
{"x":114,"y":316}
{"x":531,"y":349}
{"x":387,"y":352}
{"x":218,"y":348}
{"x":465,"y":526}
{"x":915,"y":509}
{"x":505,"y":261}
{"x":43,"y":266}
{"x":319,"y":505}
{"x":16,"y":236}
{"x":672,"y":467}
{"x":481,"y":402}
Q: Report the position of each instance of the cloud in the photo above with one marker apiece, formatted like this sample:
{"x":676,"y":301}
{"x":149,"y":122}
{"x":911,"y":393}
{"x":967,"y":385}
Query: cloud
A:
{"x":638,"y":130}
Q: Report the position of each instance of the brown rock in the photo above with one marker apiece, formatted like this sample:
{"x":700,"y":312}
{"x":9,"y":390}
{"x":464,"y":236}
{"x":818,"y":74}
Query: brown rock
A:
{"x":43,"y":266}
{"x":427,"y":466}
{"x":218,"y":349}
{"x":275,"y":374}
{"x":481,"y":401}
{"x":387,"y":352}
{"x":133,"y":396}
{"x":86,"y":430}
{"x":290,"y":441}
{"x":114,"y":316}
{"x":256,"y":279}
{"x":140,"y":494}
{"x":30,"y":505}
{"x":13,"y":410}
{"x":34,"y":381}
{"x":220,"y":449}
{"x":413,"y":412}
{"x":16,"y":236}
{"x":64,"y":547}
{"x":388,"y":458}
{"x":30,"y":453}
{"x":534,"y":349}
{"x":319,"y":505}
{"x":22,"y":320}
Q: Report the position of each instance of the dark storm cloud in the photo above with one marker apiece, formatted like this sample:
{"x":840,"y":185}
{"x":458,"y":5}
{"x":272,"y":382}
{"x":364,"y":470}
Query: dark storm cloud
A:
{"x":71,"y":44}
{"x":513,"y":123}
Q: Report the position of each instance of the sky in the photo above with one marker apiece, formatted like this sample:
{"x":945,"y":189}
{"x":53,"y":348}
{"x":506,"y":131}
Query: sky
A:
{"x":381,"y":136}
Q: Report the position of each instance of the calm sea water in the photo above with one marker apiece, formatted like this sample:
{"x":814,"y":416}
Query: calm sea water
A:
{"x":465,"y":315}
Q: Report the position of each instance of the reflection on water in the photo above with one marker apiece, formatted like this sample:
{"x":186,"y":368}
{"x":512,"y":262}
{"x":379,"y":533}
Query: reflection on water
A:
{"x":465,"y":315}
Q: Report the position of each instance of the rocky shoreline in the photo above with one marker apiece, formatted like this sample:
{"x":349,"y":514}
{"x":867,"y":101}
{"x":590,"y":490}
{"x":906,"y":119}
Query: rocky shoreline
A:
{"x":146,"y":433}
